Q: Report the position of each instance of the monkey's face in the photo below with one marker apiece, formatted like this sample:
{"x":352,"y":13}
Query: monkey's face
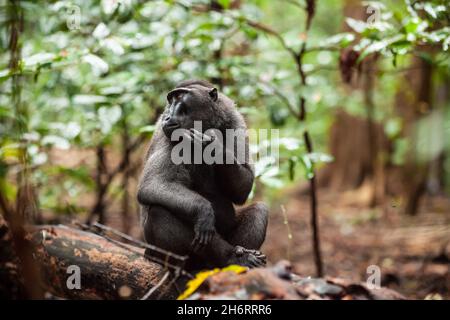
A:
{"x":187,"y":105}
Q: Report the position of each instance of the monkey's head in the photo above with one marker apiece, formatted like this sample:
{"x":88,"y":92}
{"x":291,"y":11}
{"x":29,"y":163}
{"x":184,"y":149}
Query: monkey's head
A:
{"x":192,"y":100}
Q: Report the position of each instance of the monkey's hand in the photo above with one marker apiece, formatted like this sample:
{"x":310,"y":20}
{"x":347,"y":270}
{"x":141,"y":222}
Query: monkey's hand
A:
{"x":204,"y":229}
{"x":198,"y":137}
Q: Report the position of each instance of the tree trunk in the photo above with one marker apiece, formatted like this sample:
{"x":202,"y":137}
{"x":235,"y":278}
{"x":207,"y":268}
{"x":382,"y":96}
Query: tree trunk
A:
{"x":125,"y":201}
{"x":413,"y":102}
{"x":358,"y":144}
{"x":101,"y":187}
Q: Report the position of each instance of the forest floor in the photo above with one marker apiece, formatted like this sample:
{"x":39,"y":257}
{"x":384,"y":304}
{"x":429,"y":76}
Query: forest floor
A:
{"x":413,"y":253}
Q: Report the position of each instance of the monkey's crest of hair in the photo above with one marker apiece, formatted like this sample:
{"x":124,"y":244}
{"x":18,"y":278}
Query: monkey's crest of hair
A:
{"x":191,"y":82}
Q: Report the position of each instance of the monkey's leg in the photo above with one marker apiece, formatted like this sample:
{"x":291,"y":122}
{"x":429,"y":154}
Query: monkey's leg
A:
{"x":166,"y":231}
{"x":251,"y":226}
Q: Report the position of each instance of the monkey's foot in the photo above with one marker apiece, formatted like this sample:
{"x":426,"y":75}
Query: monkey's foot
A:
{"x":247,"y":258}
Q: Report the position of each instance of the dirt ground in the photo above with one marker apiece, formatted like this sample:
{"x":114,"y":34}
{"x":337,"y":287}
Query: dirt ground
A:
{"x":412,"y":252}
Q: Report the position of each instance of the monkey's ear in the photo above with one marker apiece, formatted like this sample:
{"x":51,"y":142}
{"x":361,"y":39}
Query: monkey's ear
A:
{"x":213,"y":94}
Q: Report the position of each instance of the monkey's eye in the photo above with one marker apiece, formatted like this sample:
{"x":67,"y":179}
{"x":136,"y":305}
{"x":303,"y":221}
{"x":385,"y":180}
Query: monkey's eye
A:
{"x":183,"y":109}
{"x":173,"y":96}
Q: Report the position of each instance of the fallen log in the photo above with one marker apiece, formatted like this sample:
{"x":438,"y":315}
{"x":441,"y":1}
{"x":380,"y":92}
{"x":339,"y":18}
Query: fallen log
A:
{"x":108,"y":270}
{"x":114,"y":270}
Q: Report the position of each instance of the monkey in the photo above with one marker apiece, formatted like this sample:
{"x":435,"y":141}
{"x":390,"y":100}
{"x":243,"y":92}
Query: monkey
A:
{"x":188,"y":208}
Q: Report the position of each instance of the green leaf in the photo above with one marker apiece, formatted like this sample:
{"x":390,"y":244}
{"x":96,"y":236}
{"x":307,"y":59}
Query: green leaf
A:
{"x":109,"y":7}
{"x":224,"y":3}
{"x":401,"y":47}
{"x":5,"y":75}
{"x":39,"y":59}
{"x":147,"y":129}
{"x":430,"y":10}
{"x":98,"y":65}
{"x":341,"y":39}
{"x":108,"y":116}
{"x":415,"y":25}
{"x":88,"y":99}
{"x":376,"y":46}
{"x":263,"y":163}
{"x":270,"y":177}
{"x":379,"y":46}
{"x":272,"y":182}
{"x":446,"y":44}
{"x":112,"y":91}
{"x":68,"y":130}
{"x":56,"y":141}
{"x":101,"y":31}
{"x":308,"y":166}
{"x":357,"y":25}
{"x":319,"y":157}
{"x":290,"y":143}
{"x":393,"y":127}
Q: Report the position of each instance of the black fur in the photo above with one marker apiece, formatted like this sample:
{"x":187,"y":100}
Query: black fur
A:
{"x":188,"y":208}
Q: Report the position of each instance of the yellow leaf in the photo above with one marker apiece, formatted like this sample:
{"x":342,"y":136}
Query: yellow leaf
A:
{"x":10,"y":152}
{"x":200,"y":277}
{"x":235,"y":268}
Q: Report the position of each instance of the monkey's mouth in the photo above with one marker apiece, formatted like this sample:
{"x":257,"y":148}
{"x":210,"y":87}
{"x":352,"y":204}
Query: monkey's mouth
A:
{"x":169,"y":127}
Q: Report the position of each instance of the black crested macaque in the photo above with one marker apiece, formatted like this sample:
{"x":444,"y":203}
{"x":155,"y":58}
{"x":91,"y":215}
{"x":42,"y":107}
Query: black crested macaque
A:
{"x":188,"y":208}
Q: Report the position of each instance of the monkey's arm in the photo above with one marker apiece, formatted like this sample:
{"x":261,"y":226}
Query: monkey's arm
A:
{"x":183,"y":202}
{"x":236,"y":179}
{"x":235,"y":175}
{"x":157,"y":187}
